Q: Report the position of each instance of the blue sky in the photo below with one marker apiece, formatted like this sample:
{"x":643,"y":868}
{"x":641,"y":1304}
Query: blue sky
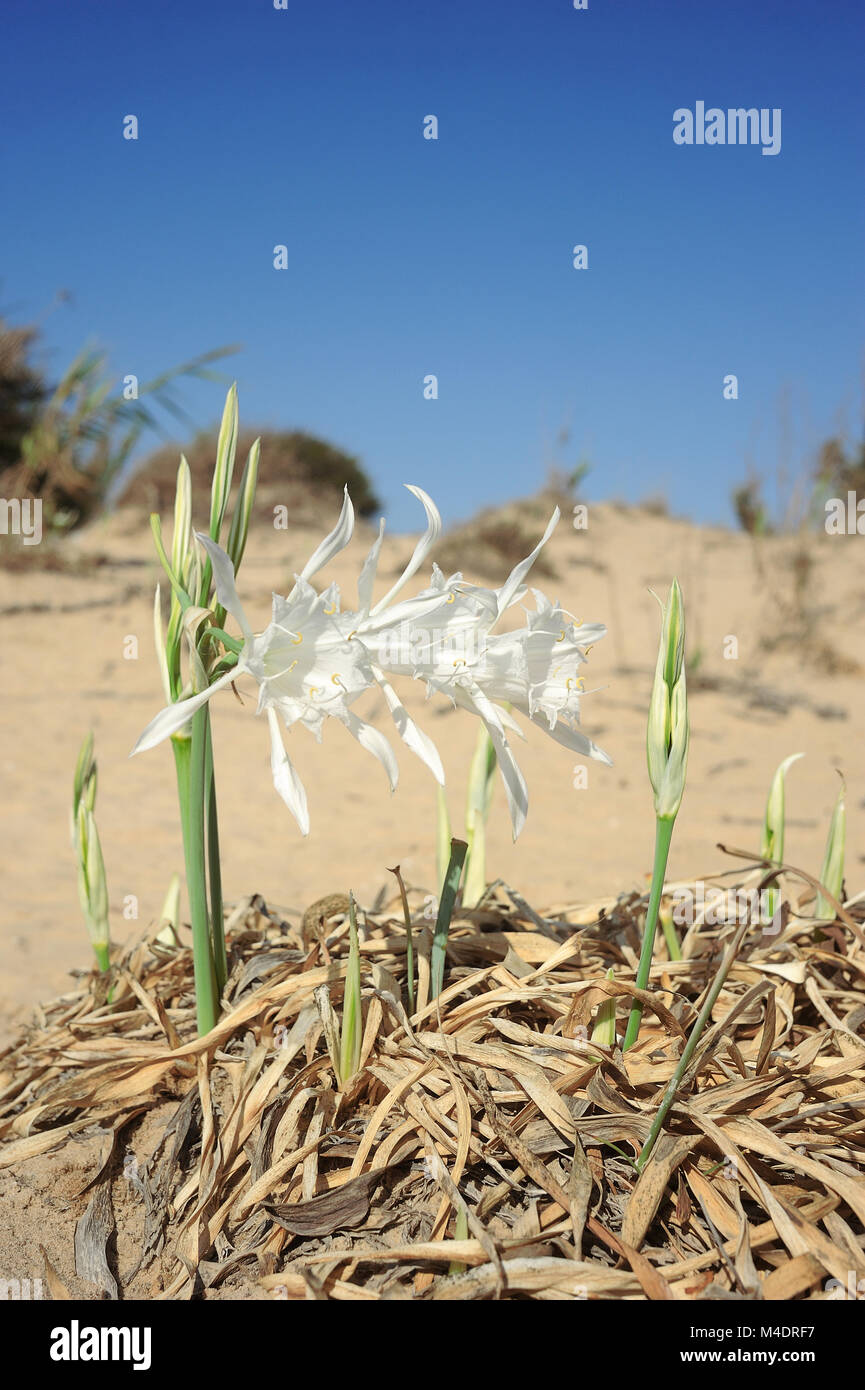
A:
{"x":407,"y":256}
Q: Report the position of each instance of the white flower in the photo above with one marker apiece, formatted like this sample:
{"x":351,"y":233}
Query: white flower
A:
{"x":309,"y":664}
{"x":313,"y":660}
{"x":444,"y":637}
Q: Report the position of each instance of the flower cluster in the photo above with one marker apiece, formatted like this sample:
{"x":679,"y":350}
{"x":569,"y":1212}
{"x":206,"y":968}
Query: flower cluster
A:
{"x":313,"y":660}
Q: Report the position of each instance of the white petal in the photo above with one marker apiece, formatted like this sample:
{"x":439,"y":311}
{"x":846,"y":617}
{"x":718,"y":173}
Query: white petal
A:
{"x":160,"y":643}
{"x":518,"y":573}
{"x":588,"y":634}
{"x":506,"y":719}
{"x":366,"y":579}
{"x":374,"y":742}
{"x":573,"y":739}
{"x":419,"y":742}
{"x":334,"y":543}
{"x":223,"y":577}
{"x":173,"y":717}
{"x":510,"y":723}
{"x":516,"y":791}
{"x":285,"y":777}
{"x":424,"y":545}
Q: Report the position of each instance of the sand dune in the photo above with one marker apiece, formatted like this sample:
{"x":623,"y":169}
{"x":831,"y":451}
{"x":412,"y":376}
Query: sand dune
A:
{"x":64,"y":672}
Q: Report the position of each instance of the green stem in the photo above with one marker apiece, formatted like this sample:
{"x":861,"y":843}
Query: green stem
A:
{"x":189,"y":756}
{"x":217,"y":924}
{"x":690,"y":1046}
{"x":352,"y":1021}
{"x":103,"y":956}
{"x":663,"y":836}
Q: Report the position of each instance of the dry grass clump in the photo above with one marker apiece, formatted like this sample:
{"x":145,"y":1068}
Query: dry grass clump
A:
{"x":491,"y":1105}
{"x":296,"y":470}
{"x":493,"y":542}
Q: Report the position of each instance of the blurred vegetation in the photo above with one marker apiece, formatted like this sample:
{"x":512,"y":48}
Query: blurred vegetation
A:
{"x":293,"y":463}
{"x":22,"y":390}
{"x":838,"y":472}
{"x":489,"y":546}
{"x":70,"y":443}
{"x":750,"y":508}
{"x":67,"y":443}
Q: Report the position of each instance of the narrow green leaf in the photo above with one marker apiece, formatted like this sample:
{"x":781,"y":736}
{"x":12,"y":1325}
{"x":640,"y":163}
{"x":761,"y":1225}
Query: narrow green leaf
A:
{"x":443,"y":920}
{"x":239,"y":531}
{"x":179,"y":592}
{"x":351,"y":1009}
{"x":832,"y":872}
{"x":774,"y":824}
{"x":226,"y":446}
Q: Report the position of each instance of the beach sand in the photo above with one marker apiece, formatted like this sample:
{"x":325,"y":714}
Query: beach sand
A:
{"x":65,"y":637}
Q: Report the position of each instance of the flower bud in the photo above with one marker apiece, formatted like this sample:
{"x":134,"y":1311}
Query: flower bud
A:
{"x":668,"y":732}
{"x":832,"y":872}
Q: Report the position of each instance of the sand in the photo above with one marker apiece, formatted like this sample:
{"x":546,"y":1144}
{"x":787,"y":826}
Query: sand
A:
{"x":65,"y":670}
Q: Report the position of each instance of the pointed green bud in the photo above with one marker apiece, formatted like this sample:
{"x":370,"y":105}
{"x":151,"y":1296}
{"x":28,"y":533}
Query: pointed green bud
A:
{"x":774,"y":823}
{"x":92,"y":884}
{"x":667,"y":733}
{"x":832,"y":872}
{"x":224,"y":469}
{"x":84,"y":783}
{"x":181,"y":540}
{"x":243,"y":508}
{"x":774,"y":818}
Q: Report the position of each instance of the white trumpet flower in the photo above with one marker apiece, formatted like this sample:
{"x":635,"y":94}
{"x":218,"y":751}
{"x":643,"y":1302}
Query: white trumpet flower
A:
{"x":309,"y":664}
{"x":313,"y":660}
{"x":444,"y":637}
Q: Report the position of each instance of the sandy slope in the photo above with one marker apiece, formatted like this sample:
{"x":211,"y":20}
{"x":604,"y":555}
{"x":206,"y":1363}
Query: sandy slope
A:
{"x":64,"y":671}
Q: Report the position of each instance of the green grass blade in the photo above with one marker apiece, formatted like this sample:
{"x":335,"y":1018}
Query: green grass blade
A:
{"x":351,"y":1009}
{"x":832,"y":872}
{"x":443,"y":920}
